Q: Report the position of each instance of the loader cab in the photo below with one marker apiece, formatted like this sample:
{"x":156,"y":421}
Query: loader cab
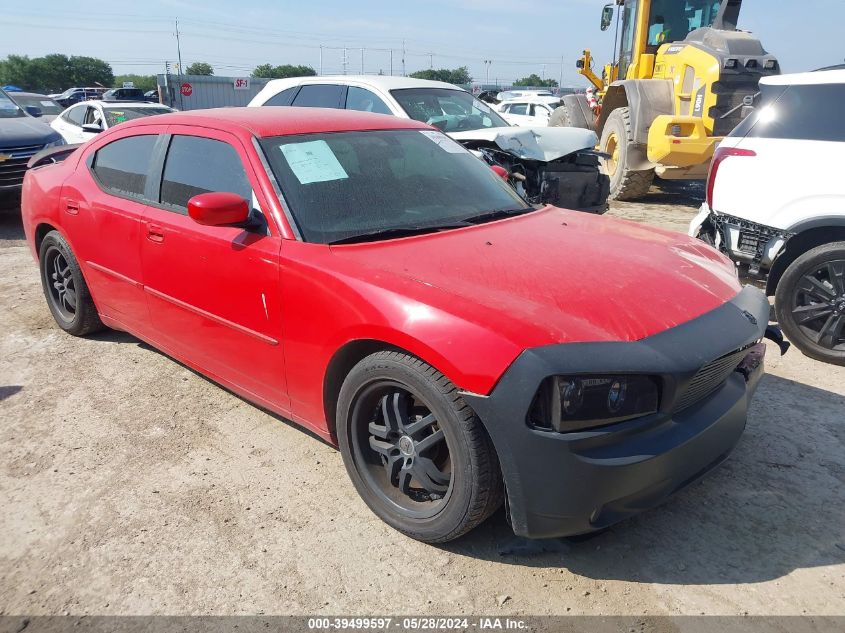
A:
{"x":646,"y":25}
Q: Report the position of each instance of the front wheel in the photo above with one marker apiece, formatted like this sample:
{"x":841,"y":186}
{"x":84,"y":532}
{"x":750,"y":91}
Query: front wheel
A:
{"x":810,"y":303}
{"x":617,"y":141}
{"x":416,"y":453}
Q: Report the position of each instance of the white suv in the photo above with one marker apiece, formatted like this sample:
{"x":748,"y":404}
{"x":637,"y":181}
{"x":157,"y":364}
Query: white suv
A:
{"x":776,"y":206}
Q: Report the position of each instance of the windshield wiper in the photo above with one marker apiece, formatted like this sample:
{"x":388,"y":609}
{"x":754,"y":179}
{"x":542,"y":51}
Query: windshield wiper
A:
{"x":497,"y":214}
{"x":403,"y":231}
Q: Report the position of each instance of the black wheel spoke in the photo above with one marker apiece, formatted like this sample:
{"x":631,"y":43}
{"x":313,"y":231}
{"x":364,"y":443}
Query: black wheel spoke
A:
{"x":394,"y":408}
{"x":430,"y":477}
{"x":430,"y":441}
{"x":836,"y":271}
{"x":817,"y":289}
{"x":405,"y":477}
{"x":415,"y":427}
{"x":383,"y":448}
{"x":831,"y":332}
{"x":380,"y":431}
{"x":804,"y":314}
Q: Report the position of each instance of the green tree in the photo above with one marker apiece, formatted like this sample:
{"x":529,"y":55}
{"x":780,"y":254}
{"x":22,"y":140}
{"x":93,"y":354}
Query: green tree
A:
{"x":199,"y":68}
{"x":459,"y":76}
{"x":268,"y":71}
{"x":142,"y":82}
{"x":55,"y":72}
{"x":534,"y":80}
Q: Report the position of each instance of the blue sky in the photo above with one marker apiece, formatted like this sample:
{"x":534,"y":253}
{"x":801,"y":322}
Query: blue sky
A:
{"x":518,"y":36}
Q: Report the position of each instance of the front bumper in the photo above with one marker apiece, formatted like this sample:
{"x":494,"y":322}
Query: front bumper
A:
{"x":753,"y":247}
{"x":561,"y":484}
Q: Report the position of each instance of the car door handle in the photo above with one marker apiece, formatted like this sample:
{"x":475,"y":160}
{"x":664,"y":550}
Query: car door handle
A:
{"x":72,"y":207}
{"x":155,"y":234}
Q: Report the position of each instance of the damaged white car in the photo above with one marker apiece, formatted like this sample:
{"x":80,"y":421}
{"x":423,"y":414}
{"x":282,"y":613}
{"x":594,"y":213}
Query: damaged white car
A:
{"x":557,"y":166}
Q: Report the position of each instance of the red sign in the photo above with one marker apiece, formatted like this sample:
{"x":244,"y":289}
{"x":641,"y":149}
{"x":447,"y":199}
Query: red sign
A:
{"x":187,"y":89}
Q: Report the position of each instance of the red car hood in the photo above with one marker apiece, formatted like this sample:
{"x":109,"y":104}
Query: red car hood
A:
{"x":557,"y":276}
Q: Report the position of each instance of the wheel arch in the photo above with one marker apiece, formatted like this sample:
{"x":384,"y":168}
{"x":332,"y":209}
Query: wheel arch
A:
{"x":41,"y":231}
{"x":808,"y":236}
{"x":646,"y":99}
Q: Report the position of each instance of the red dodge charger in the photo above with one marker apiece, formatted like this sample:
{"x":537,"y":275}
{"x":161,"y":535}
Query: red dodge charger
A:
{"x":370,"y":279}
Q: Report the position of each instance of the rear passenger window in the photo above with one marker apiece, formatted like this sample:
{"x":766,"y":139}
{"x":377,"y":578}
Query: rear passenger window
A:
{"x":121,"y":167}
{"x":283,"y":98}
{"x":198,"y":165}
{"x":363,"y":100}
{"x":320,"y":96}
{"x":519,"y":108}
{"x":75,"y":115}
{"x":801,"y":112}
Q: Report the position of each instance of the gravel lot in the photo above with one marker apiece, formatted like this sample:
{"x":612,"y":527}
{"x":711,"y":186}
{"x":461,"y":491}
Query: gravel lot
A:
{"x":131,"y":485}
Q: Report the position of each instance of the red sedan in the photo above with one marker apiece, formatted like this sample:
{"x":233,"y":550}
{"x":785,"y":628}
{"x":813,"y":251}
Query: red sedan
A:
{"x":370,"y":279}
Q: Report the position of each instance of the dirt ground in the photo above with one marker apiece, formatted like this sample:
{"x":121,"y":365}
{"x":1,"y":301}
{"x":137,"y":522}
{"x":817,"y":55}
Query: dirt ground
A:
{"x":131,"y":485}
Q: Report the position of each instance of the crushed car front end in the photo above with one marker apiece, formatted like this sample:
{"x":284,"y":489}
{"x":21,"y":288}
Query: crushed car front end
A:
{"x":589,"y":434}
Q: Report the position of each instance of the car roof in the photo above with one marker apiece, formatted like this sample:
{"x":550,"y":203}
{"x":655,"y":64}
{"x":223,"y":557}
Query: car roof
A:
{"x":385,"y":82}
{"x":281,"y":120}
{"x":806,"y":79}
{"x":121,"y":104}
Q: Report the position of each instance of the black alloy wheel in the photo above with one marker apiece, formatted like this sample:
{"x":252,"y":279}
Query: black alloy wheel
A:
{"x":59,"y":281}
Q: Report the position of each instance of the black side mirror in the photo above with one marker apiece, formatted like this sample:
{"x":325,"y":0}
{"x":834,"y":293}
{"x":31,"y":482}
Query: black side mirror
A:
{"x":96,"y":128}
{"x":607,"y":16}
{"x":33,"y":111}
{"x":579,"y":64}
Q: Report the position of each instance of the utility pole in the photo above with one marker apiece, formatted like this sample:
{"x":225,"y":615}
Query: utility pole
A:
{"x":560,"y":83}
{"x":345,"y":60}
{"x":321,"y":60}
{"x":179,"y":53}
{"x":391,"y":62}
{"x":487,"y":64}
{"x":403,"y":58}
{"x":431,"y":61}
{"x":362,"y":61}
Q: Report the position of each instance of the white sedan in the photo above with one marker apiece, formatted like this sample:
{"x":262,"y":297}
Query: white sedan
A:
{"x":526,"y":112}
{"x":83,"y":121}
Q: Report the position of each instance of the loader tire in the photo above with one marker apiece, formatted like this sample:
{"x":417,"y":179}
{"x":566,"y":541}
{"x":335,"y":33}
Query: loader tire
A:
{"x":578,"y":112}
{"x":617,"y":139}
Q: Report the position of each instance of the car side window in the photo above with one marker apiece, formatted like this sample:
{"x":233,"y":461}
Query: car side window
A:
{"x":364,"y":100}
{"x":320,"y":96}
{"x":196,"y":165}
{"x":121,"y":167}
{"x":283,"y":98}
{"x":91,"y":115}
{"x":76,"y":115}
{"x":519,"y":108}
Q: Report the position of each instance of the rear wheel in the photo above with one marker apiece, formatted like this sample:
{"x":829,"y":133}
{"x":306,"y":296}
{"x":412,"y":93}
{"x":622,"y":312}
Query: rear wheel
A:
{"x":65,"y":289}
{"x":617,"y":140}
{"x":416,"y":453}
{"x":810,"y":303}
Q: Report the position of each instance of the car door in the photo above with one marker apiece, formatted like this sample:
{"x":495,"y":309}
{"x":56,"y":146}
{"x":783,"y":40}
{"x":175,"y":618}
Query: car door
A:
{"x":102,"y":208}
{"x":540,"y":114}
{"x":517,"y":114}
{"x":213,"y":291}
{"x":69,"y":124}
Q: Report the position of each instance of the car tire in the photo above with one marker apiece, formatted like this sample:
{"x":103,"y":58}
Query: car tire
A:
{"x":617,"y":140}
{"x":65,"y":289}
{"x":810,"y":303}
{"x":403,"y":430}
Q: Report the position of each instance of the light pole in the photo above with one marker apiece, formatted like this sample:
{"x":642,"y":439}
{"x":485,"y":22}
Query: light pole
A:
{"x":487,"y":64}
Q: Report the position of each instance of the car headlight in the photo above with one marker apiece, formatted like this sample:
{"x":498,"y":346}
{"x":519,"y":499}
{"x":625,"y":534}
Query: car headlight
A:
{"x":57,"y":143}
{"x":576,"y":403}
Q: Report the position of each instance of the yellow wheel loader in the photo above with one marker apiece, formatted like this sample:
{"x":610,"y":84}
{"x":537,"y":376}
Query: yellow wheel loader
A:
{"x":683,"y":77}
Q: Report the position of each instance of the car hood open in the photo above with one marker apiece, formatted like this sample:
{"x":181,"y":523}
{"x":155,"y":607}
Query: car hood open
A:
{"x":532,"y":143}
{"x":556,"y":276}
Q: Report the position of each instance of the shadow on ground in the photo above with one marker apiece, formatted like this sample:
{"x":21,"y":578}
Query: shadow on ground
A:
{"x":776,"y":506}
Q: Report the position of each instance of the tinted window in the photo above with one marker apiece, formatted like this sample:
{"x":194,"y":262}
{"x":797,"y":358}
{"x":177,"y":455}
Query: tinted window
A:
{"x":115,"y":115}
{"x":345,"y":185}
{"x":809,"y":113}
{"x":363,"y":100}
{"x":449,"y":110}
{"x":518,"y":108}
{"x":122,"y":166}
{"x":319,"y":96}
{"x":76,"y":115}
{"x":283,"y":98}
{"x":198,"y":165}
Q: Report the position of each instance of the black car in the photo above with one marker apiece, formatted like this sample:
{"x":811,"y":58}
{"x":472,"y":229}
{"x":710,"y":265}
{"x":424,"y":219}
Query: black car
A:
{"x":21,"y":137}
{"x":124,"y":94}
{"x":75,"y":95}
{"x":37,"y":105}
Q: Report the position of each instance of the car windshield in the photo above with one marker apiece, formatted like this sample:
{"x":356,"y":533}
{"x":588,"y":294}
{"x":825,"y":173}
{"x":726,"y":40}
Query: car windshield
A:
{"x":42,"y":102}
{"x":448,"y":110}
{"x":364,"y":186}
{"x":127,"y":113}
{"x":8,"y":108}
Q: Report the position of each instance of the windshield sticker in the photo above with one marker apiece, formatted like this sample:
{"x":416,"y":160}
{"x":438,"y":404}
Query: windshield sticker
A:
{"x":48,"y":104}
{"x":313,"y":161}
{"x":443,"y":141}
